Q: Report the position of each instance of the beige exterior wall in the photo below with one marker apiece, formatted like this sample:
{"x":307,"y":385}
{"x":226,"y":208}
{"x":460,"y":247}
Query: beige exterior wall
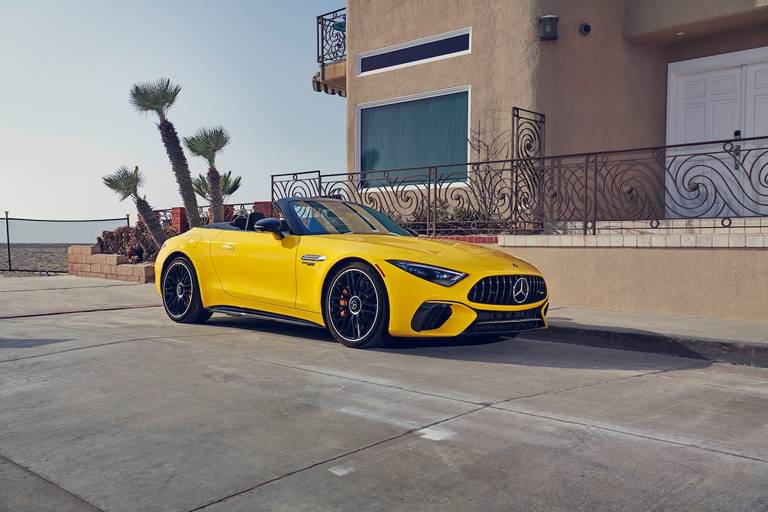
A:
{"x":601,"y":91}
{"x":661,"y":19}
{"x":501,"y":74}
{"x":707,"y":283}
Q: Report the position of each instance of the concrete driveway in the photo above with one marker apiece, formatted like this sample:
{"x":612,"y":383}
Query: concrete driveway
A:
{"x":116,"y":408}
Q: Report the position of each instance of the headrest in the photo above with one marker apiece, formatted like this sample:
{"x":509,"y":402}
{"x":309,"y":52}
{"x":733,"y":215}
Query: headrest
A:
{"x":253,"y":218}
{"x":239,"y":221}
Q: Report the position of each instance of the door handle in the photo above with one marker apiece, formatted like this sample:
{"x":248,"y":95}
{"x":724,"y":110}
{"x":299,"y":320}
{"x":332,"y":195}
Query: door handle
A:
{"x":227,"y":247}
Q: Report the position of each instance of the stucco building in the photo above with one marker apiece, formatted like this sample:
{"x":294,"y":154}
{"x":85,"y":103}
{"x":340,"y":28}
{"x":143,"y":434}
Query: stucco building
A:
{"x":634,"y":138}
{"x":620,"y":73}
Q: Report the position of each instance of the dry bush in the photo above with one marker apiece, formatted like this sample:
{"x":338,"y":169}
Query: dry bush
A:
{"x":133,"y":242}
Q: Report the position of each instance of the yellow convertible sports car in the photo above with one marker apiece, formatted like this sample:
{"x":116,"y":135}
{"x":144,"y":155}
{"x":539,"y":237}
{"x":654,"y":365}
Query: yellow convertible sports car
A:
{"x":341,"y":265}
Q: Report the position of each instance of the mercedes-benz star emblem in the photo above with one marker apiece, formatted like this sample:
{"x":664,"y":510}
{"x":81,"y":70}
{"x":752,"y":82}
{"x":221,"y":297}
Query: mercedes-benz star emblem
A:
{"x":355,"y":305}
{"x":520,"y":290}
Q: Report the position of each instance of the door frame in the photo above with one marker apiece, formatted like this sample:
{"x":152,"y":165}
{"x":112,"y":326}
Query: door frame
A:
{"x":675,"y":70}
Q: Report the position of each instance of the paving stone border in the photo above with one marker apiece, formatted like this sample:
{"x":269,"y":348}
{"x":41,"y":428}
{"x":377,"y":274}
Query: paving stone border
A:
{"x":87,"y":261}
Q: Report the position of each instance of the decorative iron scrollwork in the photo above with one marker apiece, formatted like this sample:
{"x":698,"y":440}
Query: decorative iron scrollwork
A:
{"x":528,"y":193}
{"x":331,"y":37}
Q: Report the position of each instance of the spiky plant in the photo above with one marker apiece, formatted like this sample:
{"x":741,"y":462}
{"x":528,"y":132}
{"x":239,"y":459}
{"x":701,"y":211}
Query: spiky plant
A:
{"x":125,"y":183}
{"x":158,"y":97}
{"x":229,"y":186}
{"x":206,"y":143}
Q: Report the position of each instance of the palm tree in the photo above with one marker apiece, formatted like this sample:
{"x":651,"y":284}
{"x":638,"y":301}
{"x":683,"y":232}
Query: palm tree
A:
{"x":126,"y":184}
{"x":206,"y":143}
{"x":229,"y":186}
{"x":158,"y":97}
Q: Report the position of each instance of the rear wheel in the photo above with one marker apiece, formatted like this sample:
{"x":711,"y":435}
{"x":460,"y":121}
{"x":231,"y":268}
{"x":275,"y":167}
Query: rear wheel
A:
{"x":356,"y":307}
{"x":181,"y":293}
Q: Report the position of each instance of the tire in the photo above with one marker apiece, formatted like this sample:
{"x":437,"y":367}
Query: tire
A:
{"x":181,"y":293}
{"x":356,"y":308}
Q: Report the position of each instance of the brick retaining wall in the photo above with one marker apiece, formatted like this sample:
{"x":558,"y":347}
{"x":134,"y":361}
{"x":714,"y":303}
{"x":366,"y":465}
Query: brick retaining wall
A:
{"x":87,"y":261}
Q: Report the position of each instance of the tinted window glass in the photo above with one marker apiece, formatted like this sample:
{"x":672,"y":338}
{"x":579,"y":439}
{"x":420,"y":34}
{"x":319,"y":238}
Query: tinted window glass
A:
{"x":336,"y":217}
{"x":419,"y":133}
{"x":419,"y":52}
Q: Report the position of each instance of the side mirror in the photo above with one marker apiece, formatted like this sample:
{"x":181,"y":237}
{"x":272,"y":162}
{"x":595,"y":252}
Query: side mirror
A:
{"x":412,"y":232}
{"x":270,"y":225}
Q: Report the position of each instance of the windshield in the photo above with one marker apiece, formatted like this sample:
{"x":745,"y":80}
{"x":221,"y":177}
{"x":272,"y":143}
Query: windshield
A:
{"x":321,"y":217}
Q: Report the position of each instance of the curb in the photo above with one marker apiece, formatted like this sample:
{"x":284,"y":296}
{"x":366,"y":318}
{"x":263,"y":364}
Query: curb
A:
{"x":721,"y":351}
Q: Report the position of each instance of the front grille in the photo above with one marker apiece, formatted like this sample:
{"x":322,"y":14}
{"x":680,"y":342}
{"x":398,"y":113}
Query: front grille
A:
{"x":494,"y":328}
{"x":507,"y":316}
{"x":500,"y":290}
{"x":506,"y":321}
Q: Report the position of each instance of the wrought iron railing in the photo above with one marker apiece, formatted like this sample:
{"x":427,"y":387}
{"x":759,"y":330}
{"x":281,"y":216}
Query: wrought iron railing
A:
{"x":722,"y":179}
{"x":331,"y":37}
{"x":527,"y":133}
{"x":230,"y":211}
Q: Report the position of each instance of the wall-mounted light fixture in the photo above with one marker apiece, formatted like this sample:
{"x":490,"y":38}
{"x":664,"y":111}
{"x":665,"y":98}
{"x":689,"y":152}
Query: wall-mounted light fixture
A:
{"x":548,"y":27}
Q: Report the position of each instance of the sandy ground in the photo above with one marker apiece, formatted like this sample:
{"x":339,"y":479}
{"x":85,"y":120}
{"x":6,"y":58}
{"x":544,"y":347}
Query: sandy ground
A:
{"x":36,"y":257}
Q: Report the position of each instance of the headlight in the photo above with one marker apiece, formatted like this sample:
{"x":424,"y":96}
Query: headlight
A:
{"x":438,"y":275}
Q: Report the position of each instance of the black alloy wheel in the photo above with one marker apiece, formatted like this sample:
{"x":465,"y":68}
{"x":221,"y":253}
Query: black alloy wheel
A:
{"x":181,"y":294}
{"x":356,"y":308}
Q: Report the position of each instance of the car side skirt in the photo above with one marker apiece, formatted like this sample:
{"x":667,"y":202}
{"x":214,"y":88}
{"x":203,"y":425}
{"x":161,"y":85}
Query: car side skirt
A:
{"x":264,"y":315}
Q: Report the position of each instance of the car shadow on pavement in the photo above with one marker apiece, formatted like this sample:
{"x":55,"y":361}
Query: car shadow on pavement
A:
{"x":523,"y":350}
{"x":320,"y":334}
{"x":271,"y":326}
{"x":29,"y":343}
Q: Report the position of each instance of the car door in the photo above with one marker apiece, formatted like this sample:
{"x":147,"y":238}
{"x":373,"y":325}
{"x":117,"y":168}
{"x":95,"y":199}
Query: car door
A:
{"x":257,"y":266}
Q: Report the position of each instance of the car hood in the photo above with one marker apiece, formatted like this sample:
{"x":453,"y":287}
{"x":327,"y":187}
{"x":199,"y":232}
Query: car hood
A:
{"x":451,"y":254}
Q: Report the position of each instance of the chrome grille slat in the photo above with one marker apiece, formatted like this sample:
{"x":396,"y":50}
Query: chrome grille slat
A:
{"x":499,"y":290}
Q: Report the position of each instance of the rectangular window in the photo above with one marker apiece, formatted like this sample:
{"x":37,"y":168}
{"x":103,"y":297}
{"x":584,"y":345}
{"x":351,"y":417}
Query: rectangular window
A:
{"x":415,"y":52}
{"x":430,"y":131}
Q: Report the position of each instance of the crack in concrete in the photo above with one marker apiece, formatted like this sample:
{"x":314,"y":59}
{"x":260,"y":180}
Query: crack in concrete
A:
{"x":631,"y":434}
{"x":334,"y":458}
{"x":125,"y":285}
{"x":95,"y":310}
{"x":466,"y":413}
{"x":601,"y":382}
{"x":51,"y":483}
{"x":107,"y":344}
{"x":363,"y":381}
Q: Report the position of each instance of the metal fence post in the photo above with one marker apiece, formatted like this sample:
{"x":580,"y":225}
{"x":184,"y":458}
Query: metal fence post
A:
{"x":8,"y":240}
{"x":586,"y":194}
{"x":594,"y":204}
{"x":128,"y":219}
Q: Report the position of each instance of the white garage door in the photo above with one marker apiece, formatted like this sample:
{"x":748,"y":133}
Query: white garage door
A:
{"x":716,"y":98}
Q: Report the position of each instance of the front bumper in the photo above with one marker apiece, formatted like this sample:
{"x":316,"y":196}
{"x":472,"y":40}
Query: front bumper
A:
{"x":436,"y":318}
{"x":409,"y":295}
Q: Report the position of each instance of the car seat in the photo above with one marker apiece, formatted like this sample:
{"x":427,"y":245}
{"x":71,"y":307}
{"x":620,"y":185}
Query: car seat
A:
{"x":239,"y":222}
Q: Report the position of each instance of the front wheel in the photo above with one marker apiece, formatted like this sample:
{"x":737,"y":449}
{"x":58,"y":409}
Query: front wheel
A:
{"x":181,"y":293}
{"x":356,"y":307}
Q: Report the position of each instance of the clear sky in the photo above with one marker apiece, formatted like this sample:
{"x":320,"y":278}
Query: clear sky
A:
{"x":65,"y":120}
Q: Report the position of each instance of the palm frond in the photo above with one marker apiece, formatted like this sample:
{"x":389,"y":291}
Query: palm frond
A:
{"x":124,"y":182}
{"x":229,"y":185}
{"x":156,"y":96}
{"x":207,"y":142}
{"x":200,"y":184}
